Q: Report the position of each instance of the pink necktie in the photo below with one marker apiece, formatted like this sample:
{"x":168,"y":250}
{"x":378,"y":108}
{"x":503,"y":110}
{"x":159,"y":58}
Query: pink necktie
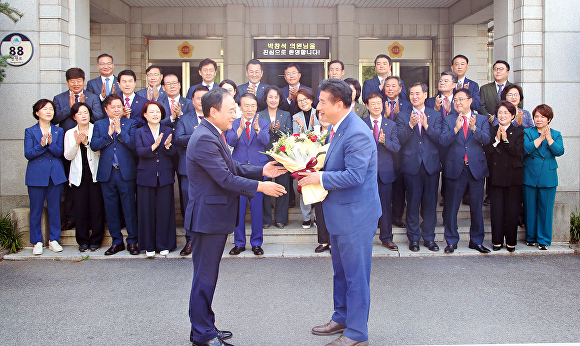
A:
{"x":376,"y":130}
{"x":248,"y":129}
{"x":172,"y":103}
{"x":420,"y":117}
{"x":331,"y":136}
{"x":465,"y":133}
{"x":445,"y":102}
{"x":127,"y":102}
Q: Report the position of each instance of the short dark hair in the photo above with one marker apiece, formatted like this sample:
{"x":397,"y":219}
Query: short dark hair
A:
{"x":505,"y":90}
{"x":544,"y":110}
{"x":459,"y":56}
{"x":338,"y":89}
{"x":103,"y":56}
{"x":453,"y":75}
{"x":199,"y":88}
{"x":149,"y":103}
{"x":152,"y":67}
{"x":502,"y":62}
{"x":399,"y":80}
{"x":306,"y":92}
{"x":267,"y":91}
{"x":75,"y":109}
{"x":74,"y":73}
{"x":356,"y":85}
{"x":249,"y":96}
{"x":336,"y":62}
{"x":127,"y":73}
{"x":39,"y":105}
{"x":510,"y":107}
{"x":424,"y":87}
{"x":110,"y":98}
{"x":213,"y":99}
{"x":254,"y":62}
{"x":383,"y":56}
{"x":207,"y":61}
{"x":168,"y":75}
{"x":292,"y":64}
{"x":372,"y":96}
{"x":232,"y":83}
{"x":466,"y":91}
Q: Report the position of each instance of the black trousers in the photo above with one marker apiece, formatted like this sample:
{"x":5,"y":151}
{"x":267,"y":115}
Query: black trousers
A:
{"x":282,"y":202}
{"x":68,"y":196}
{"x":323,"y":235}
{"x":89,"y":209}
{"x":505,"y":208}
{"x":156,"y":218}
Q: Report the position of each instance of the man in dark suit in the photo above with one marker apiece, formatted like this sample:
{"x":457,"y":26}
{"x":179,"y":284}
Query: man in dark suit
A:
{"x":154,"y":90}
{"x":393,"y":106}
{"x":216,"y":182}
{"x":75,"y":80}
{"x":292,"y":76}
{"x":248,"y":136}
{"x":383,"y":70}
{"x":254,"y":72}
{"x":133,"y":103}
{"x":106,"y":83}
{"x":207,"y":70}
{"x":419,"y":131}
{"x":385,"y":134}
{"x":460,"y":65}
{"x":114,"y":137}
{"x":465,"y":168}
{"x":490,"y":93}
{"x":177,"y":104}
{"x":351,"y":211}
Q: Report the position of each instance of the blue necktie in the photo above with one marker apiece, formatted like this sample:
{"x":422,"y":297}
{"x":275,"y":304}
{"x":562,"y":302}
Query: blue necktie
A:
{"x":107,"y":87}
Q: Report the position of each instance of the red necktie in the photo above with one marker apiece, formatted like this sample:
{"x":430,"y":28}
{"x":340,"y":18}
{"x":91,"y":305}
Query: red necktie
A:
{"x":376,"y":130}
{"x":331,"y":136}
{"x":248,"y":129}
{"x":127,"y":102}
{"x":224,"y":139}
{"x":465,"y":133}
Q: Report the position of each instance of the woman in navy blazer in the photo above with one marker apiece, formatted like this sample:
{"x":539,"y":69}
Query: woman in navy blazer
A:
{"x":541,"y":146}
{"x":156,"y":207}
{"x":43,"y":147}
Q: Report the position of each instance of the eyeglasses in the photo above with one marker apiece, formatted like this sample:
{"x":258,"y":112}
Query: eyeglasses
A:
{"x":374,"y":104}
{"x":512,"y":96}
{"x":303,"y":100}
{"x":499,"y":69}
{"x":460,"y":99}
{"x":105,"y":64}
{"x":152,"y":74}
{"x":445,"y":81}
{"x":293,"y":73}
{"x":172,"y":84}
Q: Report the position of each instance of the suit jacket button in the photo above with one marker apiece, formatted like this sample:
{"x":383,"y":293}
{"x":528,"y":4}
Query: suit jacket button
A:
{"x":114,"y":148}
{"x":157,"y":160}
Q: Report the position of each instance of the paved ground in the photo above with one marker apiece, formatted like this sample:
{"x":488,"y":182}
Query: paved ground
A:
{"x":275,"y":301}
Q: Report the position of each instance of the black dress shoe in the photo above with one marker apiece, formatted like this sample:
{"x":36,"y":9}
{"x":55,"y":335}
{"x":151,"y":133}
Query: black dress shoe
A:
{"x":479,"y":247}
{"x":213,"y":342}
{"x":465,"y":200}
{"x":542,"y":247}
{"x":114,"y":249}
{"x":510,"y":248}
{"x":94,"y":248}
{"x":83,"y":247}
{"x":321,"y":248}
{"x":267,"y":225}
{"x":186,"y":251}
{"x":414,"y":246}
{"x":431,"y":245}
{"x":496,"y":247}
{"x":133,"y":249}
{"x":236,"y":250}
{"x":279,"y":225}
{"x":257,"y":250}
{"x":530,"y":243}
{"x":450,"y":248}
{"x":399,"y":223}
{"x":222,"y":334}
{"x":68,"y":225}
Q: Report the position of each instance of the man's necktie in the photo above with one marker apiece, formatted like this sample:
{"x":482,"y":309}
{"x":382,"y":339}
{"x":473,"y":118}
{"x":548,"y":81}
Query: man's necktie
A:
{"x":445,"y":103}
{"x":248,"y":129}
{"x":331,"y":136}
{"x":420,"y":115}
{"x":465,"y":133}
{"x":127,"y":102}
{"x":200,"y":119}
{"x":224,"y":139}
{"x":107,"y":87}
{"x":392,"y":114}
{"x":499,"y":90}
{"x":76,"y":98}
{"x":172,"y":103}
{"x":459,"y":86}
{"x":376,"y":130}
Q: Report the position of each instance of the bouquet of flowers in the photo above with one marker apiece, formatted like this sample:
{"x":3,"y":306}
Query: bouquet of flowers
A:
{"x":302,"y":152}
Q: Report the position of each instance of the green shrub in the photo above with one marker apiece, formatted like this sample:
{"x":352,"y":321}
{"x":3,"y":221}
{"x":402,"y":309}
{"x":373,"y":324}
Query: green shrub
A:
{"x":574,"y":227}
{"x":10,"y":237}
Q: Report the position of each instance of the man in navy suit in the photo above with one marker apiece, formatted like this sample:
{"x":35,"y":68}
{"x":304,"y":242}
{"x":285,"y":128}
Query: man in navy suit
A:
{"x":385,"y":134}
{"x":254,"y":72}
{"x":419,"y":131}
{"x":393,"y":106}
{"x":216,"y":182}
{"x":106,"y":83}
{"x":248,"y":137}
{"x":177,"y":104}
{"x":184,"y":128}
{"x":465,"y":168}
{"x":383,"y":70}
{"x":154,"y":91}
{"x":460,"y":65}
{"x":207,"y":70}
{"x":351,"y":211}
{"x":292,"y":76}
{"x":75,"y":80}
{"x":133,"y":103}
{"x":114,"y":137}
